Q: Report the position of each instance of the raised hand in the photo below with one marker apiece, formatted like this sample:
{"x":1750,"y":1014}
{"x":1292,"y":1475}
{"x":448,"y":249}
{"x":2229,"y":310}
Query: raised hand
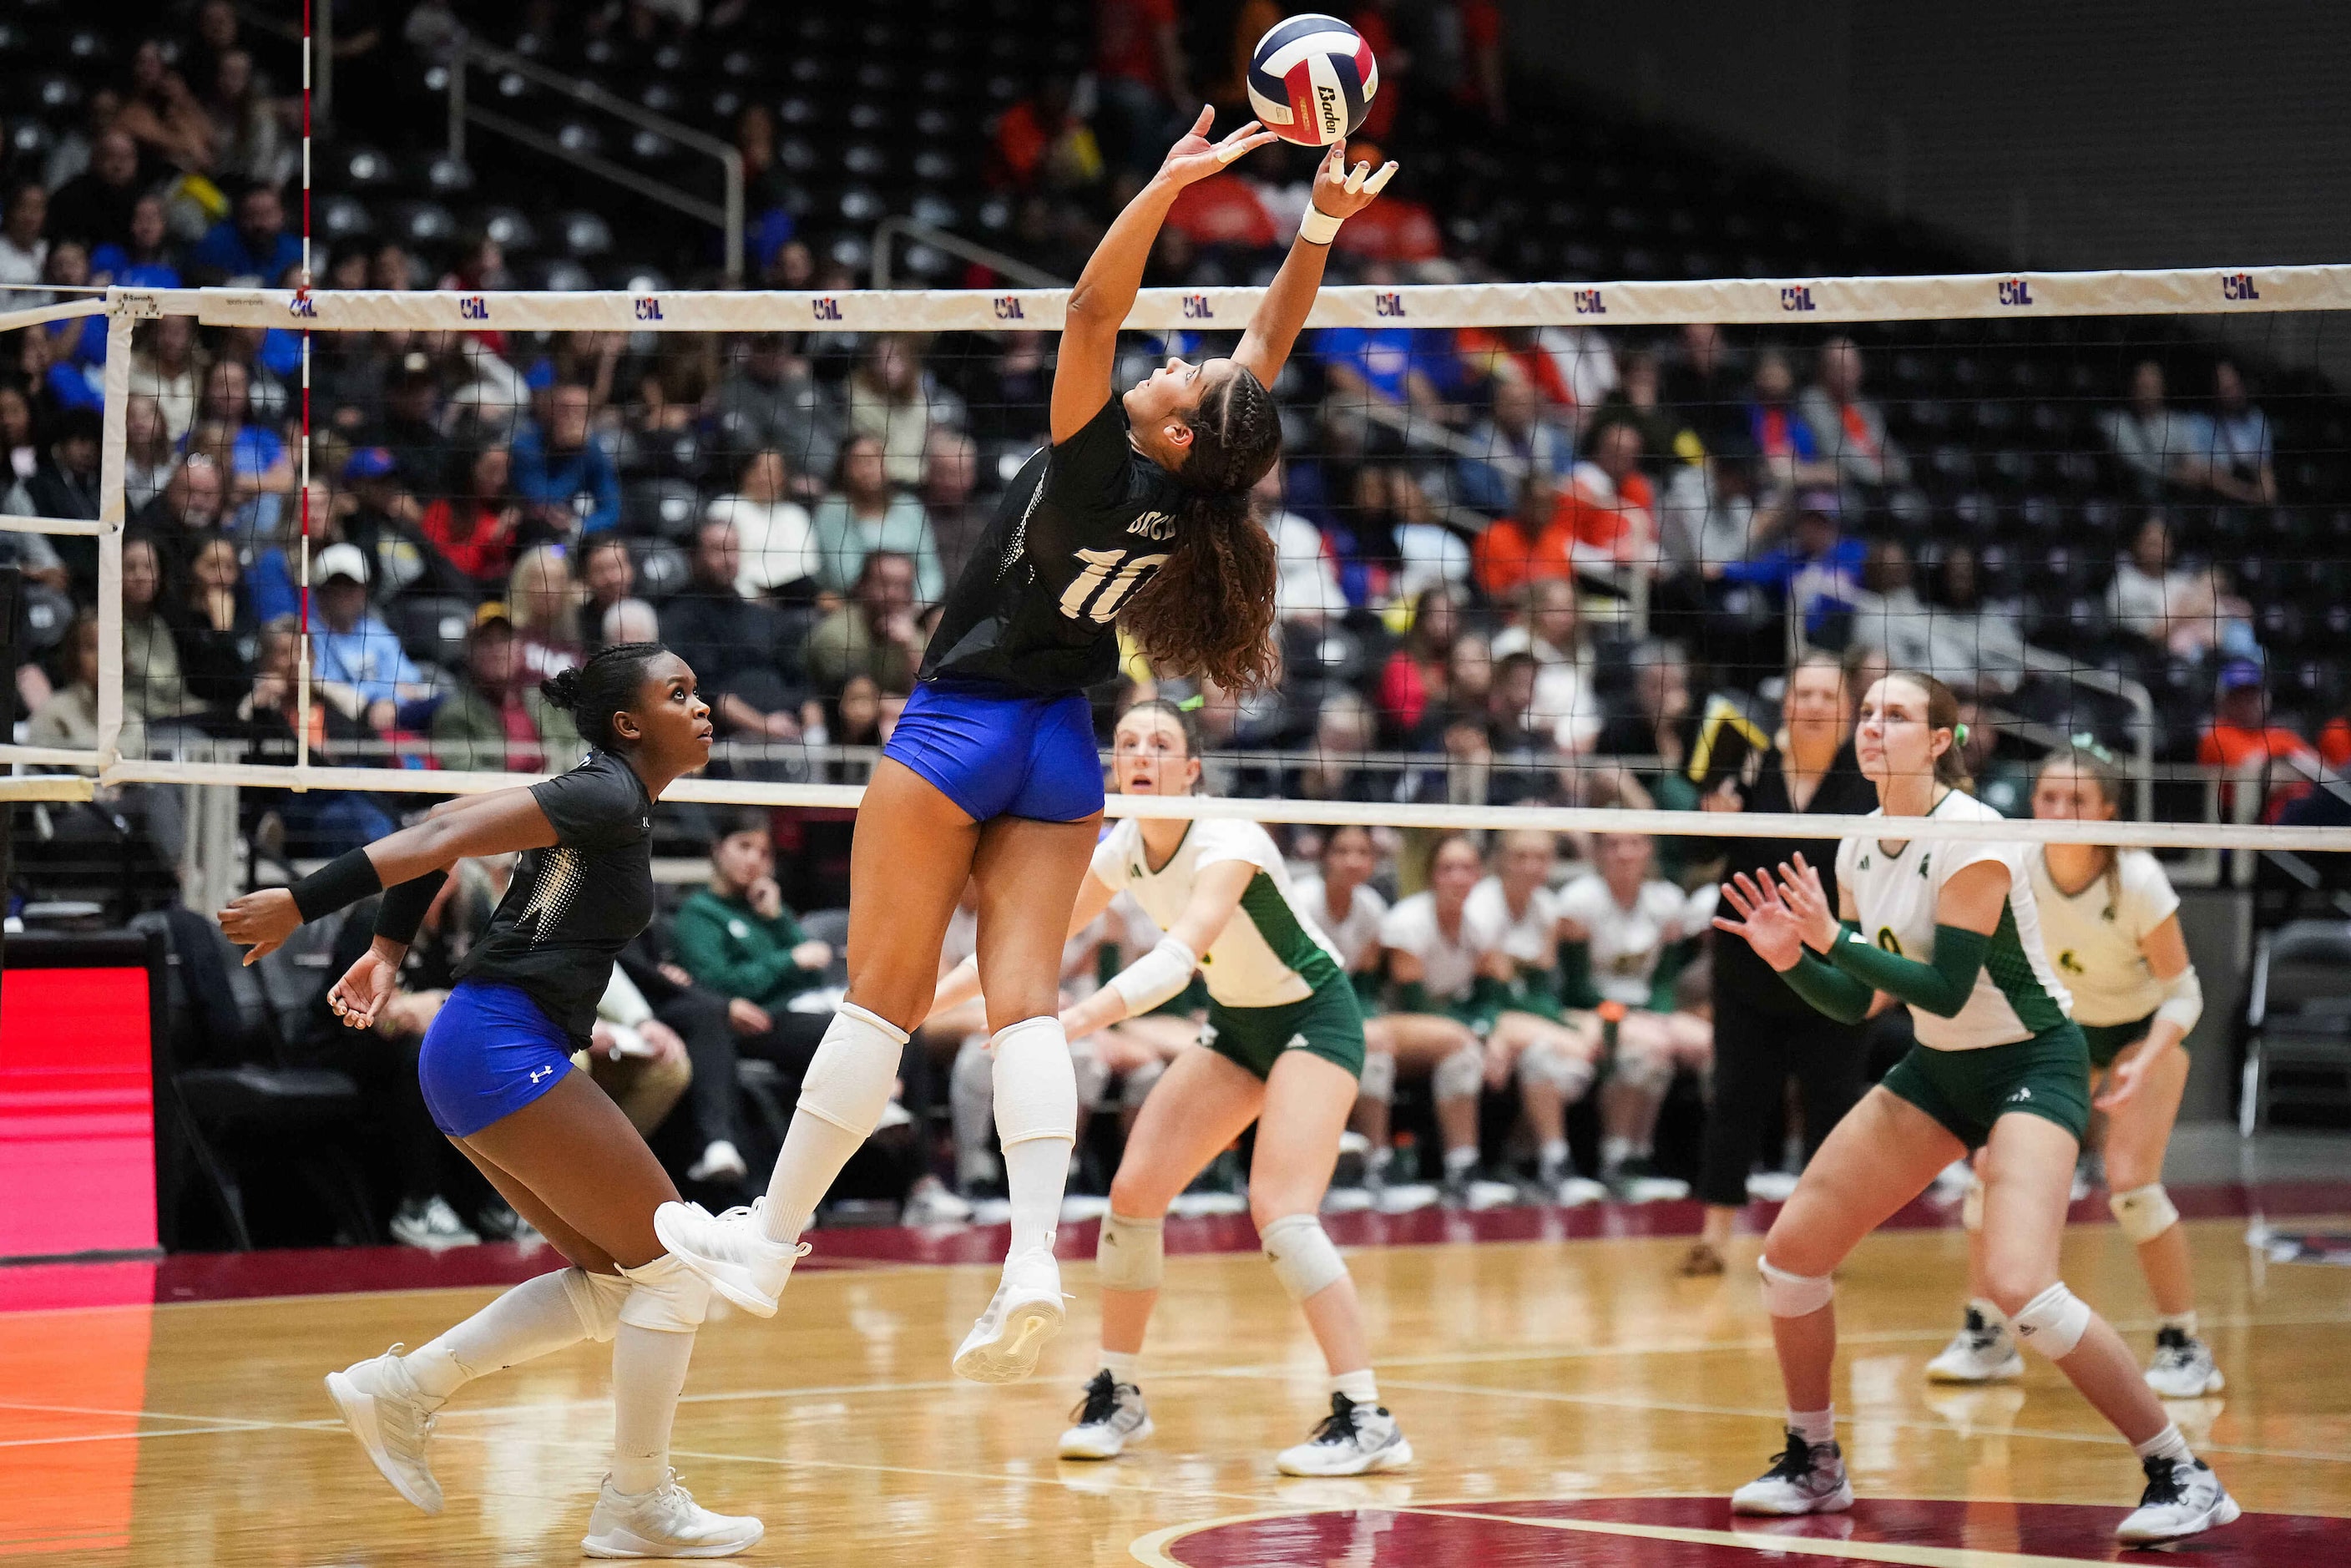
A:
{"x":1195,"y":158}
{"x":1764,"y":922}
{"x":1799,"y":887}
{"x":1341,"y":192}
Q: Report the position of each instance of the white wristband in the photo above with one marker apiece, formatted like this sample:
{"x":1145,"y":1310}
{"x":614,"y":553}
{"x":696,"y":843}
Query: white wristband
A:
{"x":1318,"y":228}
{"x":2183,"y":1001}
{"x":1155,"y":977}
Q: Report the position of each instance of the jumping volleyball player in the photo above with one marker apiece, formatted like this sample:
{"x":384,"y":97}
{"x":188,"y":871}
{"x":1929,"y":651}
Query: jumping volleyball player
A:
{"x":1953,"y":929}
{"x":497,"y":1072}
{"x":1139,"y":511}
{"x":2113,"y":920}
{"x":1284,"y":1050}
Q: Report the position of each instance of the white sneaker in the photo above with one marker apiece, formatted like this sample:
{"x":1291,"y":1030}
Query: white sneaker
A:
{"x":2183,"y":1367}
{"x":731,"y":1251}
{"x":1575,"y":1191}
{"x":1025,"y":1313}
{"x":664,"y":1522}
{"x":720,"y":1161}
{"x":431,"y":1223}
{"x":1107,"y":1419}
{"x":2182,"y":1498}
{"x":1352,"y":1440}
{"x":1770,"y":1187}
{"x":1982,"y":1352}
{"x":1802,"y":1479}
{"x":928,"y":1202}
{"x":391,"y":1420}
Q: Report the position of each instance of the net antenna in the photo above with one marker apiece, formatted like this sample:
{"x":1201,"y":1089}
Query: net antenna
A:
{"x":2207,"y":292}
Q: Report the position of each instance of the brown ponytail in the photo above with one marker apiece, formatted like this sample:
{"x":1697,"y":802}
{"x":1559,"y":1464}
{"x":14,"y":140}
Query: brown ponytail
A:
{"x":1209,"y":610}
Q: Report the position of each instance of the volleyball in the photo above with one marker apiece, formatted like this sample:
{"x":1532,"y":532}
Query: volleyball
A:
{"x":1312,"y":80}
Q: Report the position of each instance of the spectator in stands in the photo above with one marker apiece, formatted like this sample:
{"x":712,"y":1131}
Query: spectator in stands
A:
{"x":248,"y":143}
{"x":1667,"y":440}
{"x":214,"y":624}
{"x":735,"y":937}
{"x":2177,"y":609}
{"x":562,"y":469}
{"x":1794,"y":453}
{"x":1513,"y":440}
{"x":769,"y":400}
{"x":390,"y":267}
{"x":874,"y":634}
{"x":496,"y":719}
{"x":251,"y":249}
{"x":95,"y":206}
{"x":1335,"y":769}
{"x":893,"y":399}
{"x":2242,"y":453}
{"x":24,"y":238}
{"x":1041,"y":140}
{"x":608,"y":577}
{"x":2160,"y":448}
{"x":544,"y":603}
{"x":1139,"y":66}
{"x":732,"y":642}
{"x":68,"y":719}
{"x":381,"y":518}
{"x":352,"y":648}
{"x":19,"y":455}
{"x":1611,"y":507}
{"x":1418,"y":674}
{"x":1817,"y":568}
{"x":1705,"y":389}
{"x":863,"y":513}
{"x":260,"y":468}
{"x":162,"y":116}
{"x":1307,"y":591}
{"x":153,"y":686}
{"x":1850,"y":427}
{"x":167,"y":364}
{"x":78,"y":342}
{"x":187,"y":511}
{"x":147,"y":259}
{"x":1658,"y":725}
{"x":1563,"y":704}
{"x":1710,"y":515}
{"x":65,"y":485}
{"x":472,"y":521}
{"x":2335,"y":742}
{"x":959,"y":516}
{"x":1374,"y":376}
{"x":1396,"y":531}
{"x":776,"y":538}
{"x":148,"y":458}
{"x":402,"y":415}
{"x":1961,"y":646}
{"x":2242,"y":740}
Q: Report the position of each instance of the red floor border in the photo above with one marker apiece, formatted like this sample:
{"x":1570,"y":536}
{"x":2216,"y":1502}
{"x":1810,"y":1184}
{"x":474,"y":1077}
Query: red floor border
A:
{"x":234,"y":1276}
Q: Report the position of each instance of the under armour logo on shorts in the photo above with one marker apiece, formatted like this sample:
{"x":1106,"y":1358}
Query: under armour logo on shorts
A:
{"x":539,"y":1072}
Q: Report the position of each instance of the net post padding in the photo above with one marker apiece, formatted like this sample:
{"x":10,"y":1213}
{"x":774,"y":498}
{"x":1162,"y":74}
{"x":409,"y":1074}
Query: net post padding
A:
{"x":1374,"y":814}
{"x":112,"y":459}
{"x":2203,"y":290}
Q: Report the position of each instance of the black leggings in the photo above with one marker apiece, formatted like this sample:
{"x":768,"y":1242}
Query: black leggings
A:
{"x":1755,"y":1053}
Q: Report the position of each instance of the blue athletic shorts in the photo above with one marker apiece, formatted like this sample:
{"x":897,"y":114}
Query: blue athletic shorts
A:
{"x":998,"y":754}
{"x":490,"y":1052}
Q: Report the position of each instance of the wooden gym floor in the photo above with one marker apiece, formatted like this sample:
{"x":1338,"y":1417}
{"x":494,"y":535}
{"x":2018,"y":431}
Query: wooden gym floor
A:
{"x":1573,"y":1402}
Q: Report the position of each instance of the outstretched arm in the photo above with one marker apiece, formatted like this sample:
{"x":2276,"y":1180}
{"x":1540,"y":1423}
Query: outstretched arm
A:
{"x":1338,"y":193}
{"x":1168,"y":968}
{"x":1106,"y":290}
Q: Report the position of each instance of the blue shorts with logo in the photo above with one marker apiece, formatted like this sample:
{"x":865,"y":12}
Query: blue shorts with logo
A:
{"x":490,"y":1052}
{"x":997,"y":753}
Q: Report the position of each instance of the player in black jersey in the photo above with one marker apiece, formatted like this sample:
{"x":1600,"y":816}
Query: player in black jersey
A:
{"x":497,"y":1072}
{"x":1137,"y":514}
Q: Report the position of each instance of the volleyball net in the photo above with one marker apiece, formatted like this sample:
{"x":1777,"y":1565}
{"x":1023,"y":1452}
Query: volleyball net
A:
{"x":1548,"y":551}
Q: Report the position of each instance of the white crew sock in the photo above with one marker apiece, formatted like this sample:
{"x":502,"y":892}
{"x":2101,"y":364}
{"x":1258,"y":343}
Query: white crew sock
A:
{"x":531,"y":1320}
{"x":1615,"y":1151}
{"x":849,"y":1077}
{"x":2184,"y":1322}
{"x":1360,"y":1386}
{"x":648,"y":1374}
{"x":1037,"y":1123}
{"x":1551,"y":1154}
{"x":2166,"y":1444}
{"x":1377,"y":1161}
{"x":1456,"y":1161}
{"x":1814,"y":1426}
{"x":1121,"y":1364}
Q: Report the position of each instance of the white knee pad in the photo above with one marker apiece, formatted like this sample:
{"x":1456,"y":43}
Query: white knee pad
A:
{"x":597,"y":1298}
{"x":1139,"y":1084}
{"x":1087,"y":1071}
{"x":850,"y":1077}
{"x":1460,"y":1076}
{"x":1548,"y":1065}
{"x":2053,"y":1321}
{"x":1378,"y":1082}
{"x":2144,"y":1212}
{"x":1036,"y":1087}
{"x":1787,"y":1295}
{"x":1972,"y":1206}
{"x":1132,"y":1253}
{"x":1303,"y":1256}
{"x":666,"y":1296}
{"x":1644,"y":1068}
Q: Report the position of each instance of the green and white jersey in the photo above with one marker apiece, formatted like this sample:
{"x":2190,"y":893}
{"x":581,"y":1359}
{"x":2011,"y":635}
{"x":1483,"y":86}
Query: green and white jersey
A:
{"x":1627,"y":945}
{"x":1356,"y":936}
{"x":1270,"y":952}
{"x":1448,"y":965}
{"x":2017,"y":994}
{"x":2094,"y":936}
{"x":1531,"y":936}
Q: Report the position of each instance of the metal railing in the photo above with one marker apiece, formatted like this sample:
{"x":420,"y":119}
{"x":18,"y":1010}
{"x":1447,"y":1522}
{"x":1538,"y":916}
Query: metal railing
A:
{"x":1010,"y":268}
{"x":464,"y":53}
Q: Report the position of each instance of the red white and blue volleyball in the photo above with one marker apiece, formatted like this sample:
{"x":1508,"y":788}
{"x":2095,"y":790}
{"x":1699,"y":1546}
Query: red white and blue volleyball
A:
{"x":1312,"y":80}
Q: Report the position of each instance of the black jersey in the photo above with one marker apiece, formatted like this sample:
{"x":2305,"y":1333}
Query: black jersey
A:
{"x":1084,"y":524}
{"x":1741,"y":976}
{"x":572,"y":907}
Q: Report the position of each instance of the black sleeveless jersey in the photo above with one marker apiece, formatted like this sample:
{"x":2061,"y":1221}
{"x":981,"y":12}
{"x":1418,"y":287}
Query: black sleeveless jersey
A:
{"x":1084,"y":524}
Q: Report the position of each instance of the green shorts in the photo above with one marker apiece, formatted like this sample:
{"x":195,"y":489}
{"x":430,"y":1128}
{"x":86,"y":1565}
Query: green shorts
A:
{"x":1327,"y":1022}
{"x":2108,"y":1040}
{"x":1967,"y":1090}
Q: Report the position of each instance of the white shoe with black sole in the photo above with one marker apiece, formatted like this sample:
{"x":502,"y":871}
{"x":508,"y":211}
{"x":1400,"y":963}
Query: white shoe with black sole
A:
{"x":1024,"y":1313}
{"x":392,"y":1422}
{"x":1110,"y":1418}
{"x":1352,"y":1440}
{"x":664,"y":1522}
{"x":2183,"y":1498}
{"x":1802,"y":1479}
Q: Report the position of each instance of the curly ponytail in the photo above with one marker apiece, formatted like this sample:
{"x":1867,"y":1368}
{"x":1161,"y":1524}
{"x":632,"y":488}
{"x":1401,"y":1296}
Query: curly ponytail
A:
{"x":605,"y":685}
{"x":1209,"y":610}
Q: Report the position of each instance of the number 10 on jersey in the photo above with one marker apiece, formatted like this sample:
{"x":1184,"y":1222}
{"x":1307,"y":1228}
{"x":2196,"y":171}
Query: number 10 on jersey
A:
{"x":1096,"y":592}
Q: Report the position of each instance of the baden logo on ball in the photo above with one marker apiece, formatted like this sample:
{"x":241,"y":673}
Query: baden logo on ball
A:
{"x":1312,"y":80}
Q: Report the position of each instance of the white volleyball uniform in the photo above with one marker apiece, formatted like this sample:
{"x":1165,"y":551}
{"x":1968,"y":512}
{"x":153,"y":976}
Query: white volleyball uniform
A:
{"x":1627,"y":945}
{"x":2095,"y":939}
{"x":1357,"y":938}
{"x":1448,"y":965}
{"x":1270,"y":953}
